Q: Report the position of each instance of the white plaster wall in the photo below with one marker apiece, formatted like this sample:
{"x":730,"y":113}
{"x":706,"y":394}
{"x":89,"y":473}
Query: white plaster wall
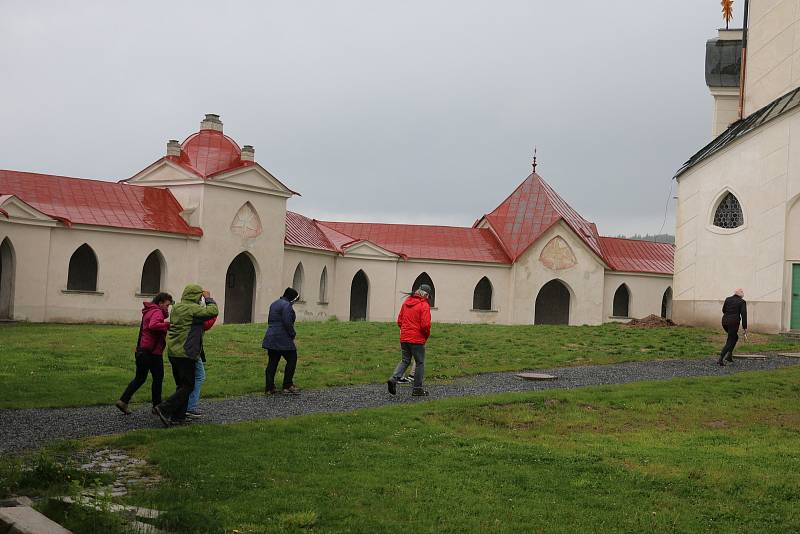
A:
{"x":773,"y":51}
{"x":120,"y":258}
{"x":219,"y":246}
{"x":763,"y":171}
{"x":381,"y":274}
{"x":585,"y":280}
{"x":455,"y":285}
{"x":310,"y":307}
{"x":31,"y":245}
{"x":646,"y":292}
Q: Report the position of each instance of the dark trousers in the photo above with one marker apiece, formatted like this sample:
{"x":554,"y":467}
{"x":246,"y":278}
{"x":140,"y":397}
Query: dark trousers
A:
{"x":146,"y":362}
{"x":183,"y":373}
{"x":407,"y":352}
{"x":272,"y":367}
{"x":731,"y":327}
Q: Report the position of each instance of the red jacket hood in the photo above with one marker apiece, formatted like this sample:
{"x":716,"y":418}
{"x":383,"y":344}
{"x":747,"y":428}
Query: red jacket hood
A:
{"x":148,"y":306}
{"x":413,"y":300}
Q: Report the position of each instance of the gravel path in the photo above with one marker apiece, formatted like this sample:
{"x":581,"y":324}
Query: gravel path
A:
{"x":32,"y":428}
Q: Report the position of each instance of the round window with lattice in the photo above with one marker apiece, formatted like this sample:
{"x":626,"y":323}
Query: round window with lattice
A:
{"x":729,"y":213}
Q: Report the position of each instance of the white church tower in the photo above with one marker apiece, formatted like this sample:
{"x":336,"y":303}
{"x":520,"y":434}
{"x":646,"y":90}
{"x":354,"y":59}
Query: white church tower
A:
{"x":738,"y":216}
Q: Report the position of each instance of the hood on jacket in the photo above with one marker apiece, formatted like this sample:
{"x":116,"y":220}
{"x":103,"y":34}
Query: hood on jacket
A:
{"x":192,"y":293}
{"x":149,"y":306}
{"x":413,"y":300}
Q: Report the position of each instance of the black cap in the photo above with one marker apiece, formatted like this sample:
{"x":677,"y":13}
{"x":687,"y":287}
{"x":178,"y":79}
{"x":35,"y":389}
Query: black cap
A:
{"x":290,"y":294}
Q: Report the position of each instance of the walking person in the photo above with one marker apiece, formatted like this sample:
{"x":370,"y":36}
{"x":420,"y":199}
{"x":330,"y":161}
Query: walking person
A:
{"x":279,"y":343}
{"x":734,"y":309}
{"x":414,"y":321}
{"x":184,"y":346}
{"x":149,"y":348}
{"x":192,"y":408}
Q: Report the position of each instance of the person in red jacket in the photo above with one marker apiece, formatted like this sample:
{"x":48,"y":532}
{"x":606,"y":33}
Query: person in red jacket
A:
{"x":414,"y":321}
{"x":149,"y":348}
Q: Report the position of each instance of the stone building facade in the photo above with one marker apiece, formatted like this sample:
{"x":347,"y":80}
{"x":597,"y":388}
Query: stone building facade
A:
{"x":76,"y":250}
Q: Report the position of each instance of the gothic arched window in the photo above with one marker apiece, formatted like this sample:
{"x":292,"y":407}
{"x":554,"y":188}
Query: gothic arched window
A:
{"x":729,"y":213}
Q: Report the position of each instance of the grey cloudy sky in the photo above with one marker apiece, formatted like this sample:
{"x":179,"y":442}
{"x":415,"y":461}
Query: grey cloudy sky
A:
{"x":414,"y":111}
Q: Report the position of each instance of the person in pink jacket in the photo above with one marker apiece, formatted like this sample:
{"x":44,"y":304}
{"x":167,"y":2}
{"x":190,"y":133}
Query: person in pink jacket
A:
{"x":149,"y":350}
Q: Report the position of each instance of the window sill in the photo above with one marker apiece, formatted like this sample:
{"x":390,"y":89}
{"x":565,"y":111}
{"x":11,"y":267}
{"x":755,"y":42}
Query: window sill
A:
{"x":299,"y":302}
{"x":81,"y":292}
{"x":620,"y":317}
{"x":320,"y":303}
{"x":483,"y":311}
{"x":725,"y":231}
{"x":144,"y":295}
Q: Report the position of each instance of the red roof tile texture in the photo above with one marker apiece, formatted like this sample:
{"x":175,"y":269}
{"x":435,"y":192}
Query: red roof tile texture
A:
{"x":630,"y":255}
{"x":94,"y":202}
{"x":304,"y":232}
{"x":530,"y":211}
{"x":210,"y":152}
{"x":427,"y":242}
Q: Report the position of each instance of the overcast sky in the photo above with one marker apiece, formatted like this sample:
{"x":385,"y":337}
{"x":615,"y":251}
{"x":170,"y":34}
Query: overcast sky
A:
{"x":415,"y":111}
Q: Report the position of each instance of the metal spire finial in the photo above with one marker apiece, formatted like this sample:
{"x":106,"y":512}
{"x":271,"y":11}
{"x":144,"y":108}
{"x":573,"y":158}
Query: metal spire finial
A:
{"x":727,"y":11}
{"x":534,"y":159}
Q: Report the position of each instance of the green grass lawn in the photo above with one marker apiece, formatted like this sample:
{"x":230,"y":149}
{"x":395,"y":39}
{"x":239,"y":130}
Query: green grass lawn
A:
{"x":707,"y":454}
{"x":51,"y":365}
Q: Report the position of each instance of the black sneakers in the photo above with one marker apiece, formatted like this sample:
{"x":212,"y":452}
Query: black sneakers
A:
{"x":419,"y":392}
{"x":123,"y":407}
{"x":392,"y":385}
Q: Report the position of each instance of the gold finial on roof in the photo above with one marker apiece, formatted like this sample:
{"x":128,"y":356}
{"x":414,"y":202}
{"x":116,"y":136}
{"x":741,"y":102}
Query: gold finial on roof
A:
{"x":727,"y":11}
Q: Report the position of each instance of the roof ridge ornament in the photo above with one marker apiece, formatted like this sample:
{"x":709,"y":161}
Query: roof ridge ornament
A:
{"x":534,"y":160}
{"x":727,"y":11}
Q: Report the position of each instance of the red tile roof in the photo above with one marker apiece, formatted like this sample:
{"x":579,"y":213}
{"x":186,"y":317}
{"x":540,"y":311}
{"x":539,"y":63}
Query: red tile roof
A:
{"x":304,"y":232}
{"x":82,"y":201}
{"x":631,"y":255}
{"x":427,"y":242}
{"x":530,"y":211}
{"x":209,"y":152}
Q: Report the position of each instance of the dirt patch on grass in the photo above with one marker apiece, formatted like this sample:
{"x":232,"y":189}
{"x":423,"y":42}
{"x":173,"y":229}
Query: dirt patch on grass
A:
{"x":651,"y":321}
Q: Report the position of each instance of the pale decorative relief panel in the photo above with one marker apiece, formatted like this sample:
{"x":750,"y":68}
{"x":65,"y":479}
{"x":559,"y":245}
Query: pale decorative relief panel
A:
{"x":246,"y":223}
{"x":557,"y":255}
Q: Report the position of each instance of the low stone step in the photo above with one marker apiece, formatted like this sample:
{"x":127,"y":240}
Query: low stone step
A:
{"x":749,"y":357}
{"x":26,"y":520}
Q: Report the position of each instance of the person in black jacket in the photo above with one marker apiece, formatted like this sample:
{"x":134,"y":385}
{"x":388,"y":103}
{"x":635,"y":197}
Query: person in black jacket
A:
{"x":279,"y":341}
{"x":734,"y":308}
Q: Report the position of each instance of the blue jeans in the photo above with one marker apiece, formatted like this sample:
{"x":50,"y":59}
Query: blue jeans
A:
{"x":199,"y":378}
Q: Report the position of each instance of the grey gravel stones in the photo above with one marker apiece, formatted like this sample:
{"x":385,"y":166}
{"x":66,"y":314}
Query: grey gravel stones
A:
{"x":32,"y":428}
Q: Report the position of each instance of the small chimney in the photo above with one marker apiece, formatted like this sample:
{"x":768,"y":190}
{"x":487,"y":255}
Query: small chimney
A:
{"x":173,"y":148}
{"x":211,"y":122}
{"x":248,"y":153}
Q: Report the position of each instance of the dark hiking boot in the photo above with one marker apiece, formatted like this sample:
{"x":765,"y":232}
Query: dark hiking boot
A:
{"x":729,"y":357}
{"x":419,"y":392}
{"x":292,"y":390}
{"x":123,"y":407}
{"x":720,"y":362}
{"x":269,"y":392}
{"x":160,"y":414}
{"x":392,"y":385}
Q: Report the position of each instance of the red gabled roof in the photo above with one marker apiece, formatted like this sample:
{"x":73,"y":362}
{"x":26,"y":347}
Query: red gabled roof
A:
{"x":209,"y":152}
{"x":427,"y":242}
{"x":631,"y":255}
{"x":94,"y":202}
{"x":530,"y":211}
{"x":304,"y":232}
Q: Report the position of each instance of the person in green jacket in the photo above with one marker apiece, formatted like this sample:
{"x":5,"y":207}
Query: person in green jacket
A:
{"x":184,"y":346}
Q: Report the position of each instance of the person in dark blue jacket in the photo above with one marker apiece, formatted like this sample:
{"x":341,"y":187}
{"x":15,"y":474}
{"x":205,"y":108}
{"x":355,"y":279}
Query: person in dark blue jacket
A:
{"x":279,"y":341}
